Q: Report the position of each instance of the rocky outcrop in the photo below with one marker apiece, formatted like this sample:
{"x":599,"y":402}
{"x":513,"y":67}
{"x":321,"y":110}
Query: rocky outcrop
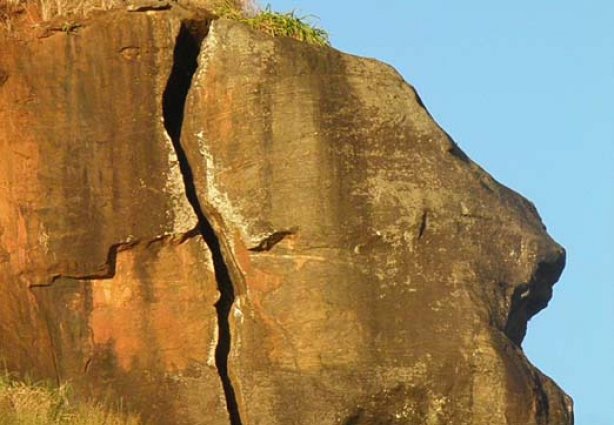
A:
{"x":107,"y":282}
{"x":217,"y":226}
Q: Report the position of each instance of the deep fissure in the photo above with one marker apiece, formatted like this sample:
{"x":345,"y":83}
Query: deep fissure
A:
{"x":185,"y":62}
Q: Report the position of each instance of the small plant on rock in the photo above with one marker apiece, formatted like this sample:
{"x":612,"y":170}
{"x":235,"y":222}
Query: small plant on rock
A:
{"x":277,"y":24}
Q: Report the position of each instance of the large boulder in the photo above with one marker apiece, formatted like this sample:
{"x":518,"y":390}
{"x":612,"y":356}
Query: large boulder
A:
{"x":382,"y":277}
{"x":215,"y":226}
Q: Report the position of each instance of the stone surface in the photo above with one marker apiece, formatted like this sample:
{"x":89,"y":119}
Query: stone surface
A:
{"x":373,"y":273}
{"x":105,"y":284}
{"x":382,"y":277}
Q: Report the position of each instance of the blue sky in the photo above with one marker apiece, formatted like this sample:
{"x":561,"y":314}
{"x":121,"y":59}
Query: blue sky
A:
{"x":526,"y":88}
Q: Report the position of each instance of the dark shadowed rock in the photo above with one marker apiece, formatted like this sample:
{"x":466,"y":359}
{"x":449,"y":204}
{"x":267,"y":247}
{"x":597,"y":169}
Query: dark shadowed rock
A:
{"x":217,"y":227}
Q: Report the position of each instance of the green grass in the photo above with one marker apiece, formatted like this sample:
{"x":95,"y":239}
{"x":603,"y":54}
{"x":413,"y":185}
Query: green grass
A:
{"x":278,"y":24}
{"x":23,"y":403}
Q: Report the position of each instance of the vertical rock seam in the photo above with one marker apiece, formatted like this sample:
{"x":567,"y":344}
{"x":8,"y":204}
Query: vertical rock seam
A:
{"x":185,"y":62}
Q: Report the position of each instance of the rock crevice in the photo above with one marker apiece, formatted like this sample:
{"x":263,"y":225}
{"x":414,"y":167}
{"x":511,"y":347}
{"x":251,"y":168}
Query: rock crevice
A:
{"x":185,"y":63}
{"x":106,"y":272}
{"x":109,"y":269}
{"x":273,"y":239}
{"x":530,"y":298}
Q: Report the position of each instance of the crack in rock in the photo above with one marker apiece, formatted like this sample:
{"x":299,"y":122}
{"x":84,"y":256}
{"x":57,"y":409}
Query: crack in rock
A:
{"x":185,"y":63}
{"x":109,"y":269}
{"x":424,"y":221}
{"x":273,"y":239}
{"x":4,"y":76}
{"x":186,"y":51}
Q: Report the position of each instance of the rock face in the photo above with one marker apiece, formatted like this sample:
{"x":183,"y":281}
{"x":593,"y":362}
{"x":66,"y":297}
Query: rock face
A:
{"x":107,"y":283}
{"x":216,"y":227}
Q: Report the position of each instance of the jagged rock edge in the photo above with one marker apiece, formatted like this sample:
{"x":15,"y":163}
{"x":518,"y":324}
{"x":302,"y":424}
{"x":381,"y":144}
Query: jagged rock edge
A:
{"x":530,"y":298}
{"x":109,"y":269}
{"x":192,"y":33}
{"x":273,"y":239}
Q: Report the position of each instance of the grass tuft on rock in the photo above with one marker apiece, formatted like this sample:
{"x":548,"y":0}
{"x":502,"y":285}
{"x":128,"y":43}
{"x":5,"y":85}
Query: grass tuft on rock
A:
{"x":23,"y":403}
{"x":277,"y":24}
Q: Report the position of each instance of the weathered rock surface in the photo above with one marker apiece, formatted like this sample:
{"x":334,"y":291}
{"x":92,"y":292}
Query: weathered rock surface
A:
{"x":367,"y":271}
{"x":105,"y":282}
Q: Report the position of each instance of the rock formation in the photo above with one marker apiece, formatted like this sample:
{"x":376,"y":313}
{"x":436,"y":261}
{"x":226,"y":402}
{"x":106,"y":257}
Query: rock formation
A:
{"x":219,"y":227}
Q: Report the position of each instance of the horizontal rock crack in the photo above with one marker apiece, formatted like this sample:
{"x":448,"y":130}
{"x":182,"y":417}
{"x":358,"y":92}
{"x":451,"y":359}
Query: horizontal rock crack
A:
{"x":108,"y":270}
{"x":273,"y":239}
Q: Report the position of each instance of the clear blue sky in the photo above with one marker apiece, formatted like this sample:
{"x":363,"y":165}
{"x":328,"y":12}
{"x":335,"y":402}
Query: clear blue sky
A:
{"x":527,"y":90}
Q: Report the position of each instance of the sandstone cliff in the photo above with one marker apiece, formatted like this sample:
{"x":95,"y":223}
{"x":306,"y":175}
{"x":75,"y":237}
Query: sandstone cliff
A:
{"x":216,"y":226}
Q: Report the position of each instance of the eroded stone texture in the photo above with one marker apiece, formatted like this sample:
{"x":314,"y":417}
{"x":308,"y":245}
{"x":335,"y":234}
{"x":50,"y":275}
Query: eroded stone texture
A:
{"x":147,"y":336}
{"x":105,"y":282}
{"x":382,"y":277}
